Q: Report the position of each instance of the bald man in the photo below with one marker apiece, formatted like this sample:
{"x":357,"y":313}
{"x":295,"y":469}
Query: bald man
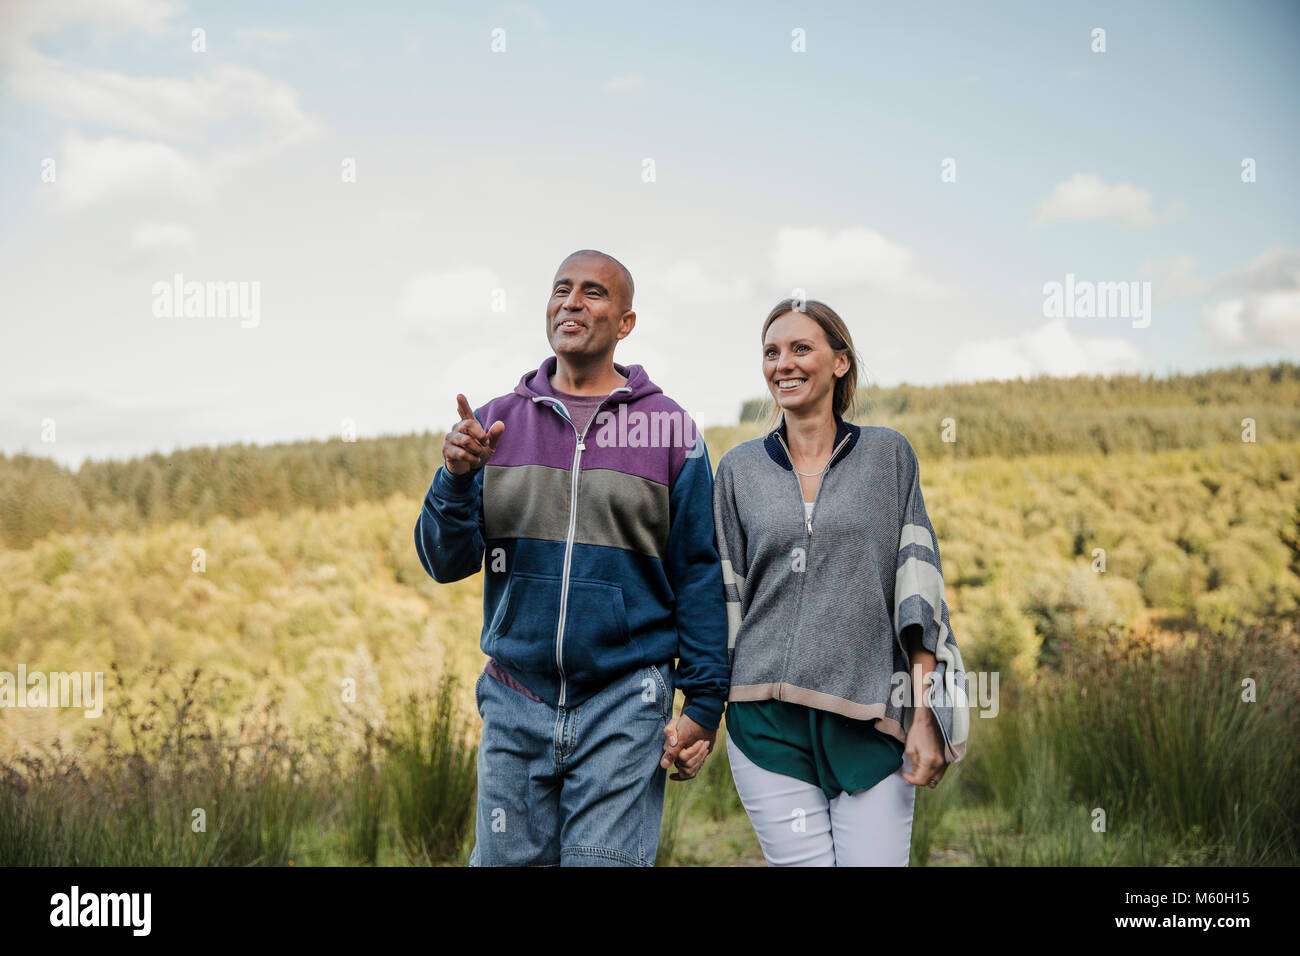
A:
{"x":590,"y":495}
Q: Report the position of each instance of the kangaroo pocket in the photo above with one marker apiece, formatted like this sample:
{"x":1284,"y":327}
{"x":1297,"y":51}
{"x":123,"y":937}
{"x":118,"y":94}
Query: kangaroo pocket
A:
{"x":522,"y":635}
{"x":597,"y":645}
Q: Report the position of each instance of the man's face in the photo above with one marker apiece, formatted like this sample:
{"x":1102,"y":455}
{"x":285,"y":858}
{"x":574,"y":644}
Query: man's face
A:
{"x":588,"y":311}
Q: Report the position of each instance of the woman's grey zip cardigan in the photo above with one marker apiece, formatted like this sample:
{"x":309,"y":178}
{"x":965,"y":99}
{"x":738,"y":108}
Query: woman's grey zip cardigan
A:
{"x":816,"y":608}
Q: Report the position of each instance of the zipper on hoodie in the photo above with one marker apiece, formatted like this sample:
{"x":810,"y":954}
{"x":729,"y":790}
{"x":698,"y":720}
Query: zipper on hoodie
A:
{"x":573,"y":522}
{"x":798,"y":601}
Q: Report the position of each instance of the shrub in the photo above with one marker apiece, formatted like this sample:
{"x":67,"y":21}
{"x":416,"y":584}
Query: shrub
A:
{"x":1076,"y":606}
{"x":999,"y":637}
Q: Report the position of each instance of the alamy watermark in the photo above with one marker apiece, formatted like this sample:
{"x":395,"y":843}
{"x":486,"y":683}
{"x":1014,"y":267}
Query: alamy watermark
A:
{"x":179,"y":299}
{"x":978,"y":689}
{"x":75,"y":908}
{"x":53,"y":689}
{"x":1098,"y":300}
{"x":641,"y":429}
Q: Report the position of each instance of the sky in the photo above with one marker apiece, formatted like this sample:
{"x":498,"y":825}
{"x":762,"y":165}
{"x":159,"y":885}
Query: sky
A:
{"x":391,"y":186}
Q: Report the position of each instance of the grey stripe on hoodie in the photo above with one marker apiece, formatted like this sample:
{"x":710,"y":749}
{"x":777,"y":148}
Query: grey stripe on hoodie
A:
{"x":816,"y":608}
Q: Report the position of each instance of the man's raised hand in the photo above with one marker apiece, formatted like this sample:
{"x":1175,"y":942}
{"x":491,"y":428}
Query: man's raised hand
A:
{"x":467,"y":446}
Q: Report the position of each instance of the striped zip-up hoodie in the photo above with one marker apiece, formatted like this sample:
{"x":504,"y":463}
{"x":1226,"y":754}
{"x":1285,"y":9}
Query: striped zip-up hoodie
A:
{"x":817,"y":607}
{"x":600,"y":554}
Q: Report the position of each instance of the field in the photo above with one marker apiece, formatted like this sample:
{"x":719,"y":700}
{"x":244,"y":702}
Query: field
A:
{"x":283,"y":684}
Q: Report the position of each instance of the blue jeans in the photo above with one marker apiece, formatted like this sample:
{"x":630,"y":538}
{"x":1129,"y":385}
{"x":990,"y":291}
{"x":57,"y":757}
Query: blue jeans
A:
{"x":572,"y":786}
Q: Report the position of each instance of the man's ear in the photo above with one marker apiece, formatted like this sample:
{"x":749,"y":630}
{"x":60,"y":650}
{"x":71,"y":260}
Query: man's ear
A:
{"x":626,"y":323}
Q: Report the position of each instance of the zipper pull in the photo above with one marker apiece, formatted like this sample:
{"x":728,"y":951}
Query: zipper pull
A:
{"x":808,"y":521}
{"x":581,"y":446}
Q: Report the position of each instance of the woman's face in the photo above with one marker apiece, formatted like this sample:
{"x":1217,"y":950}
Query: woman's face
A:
{"x":799,"y":364}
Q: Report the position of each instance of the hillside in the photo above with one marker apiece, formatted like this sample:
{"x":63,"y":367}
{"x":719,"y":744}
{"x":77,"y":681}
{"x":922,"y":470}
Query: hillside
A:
{"x":1002,"y":419}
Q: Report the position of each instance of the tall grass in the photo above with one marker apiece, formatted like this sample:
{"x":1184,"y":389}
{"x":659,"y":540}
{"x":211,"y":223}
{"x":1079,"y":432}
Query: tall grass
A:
{"x":714,"y":788}
{"x":363,"y":805}
{"x":1160,"y":741}
{"x":179,"y":791}
{"x":1124,"y":754}
{"x":166,"y":785}
{"x":929,"y":813}
{"x":430,"y":761}
{"x":677,"y":801}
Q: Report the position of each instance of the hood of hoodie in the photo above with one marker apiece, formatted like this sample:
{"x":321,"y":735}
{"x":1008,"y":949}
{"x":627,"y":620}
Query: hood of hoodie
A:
{"x":537,"y":383}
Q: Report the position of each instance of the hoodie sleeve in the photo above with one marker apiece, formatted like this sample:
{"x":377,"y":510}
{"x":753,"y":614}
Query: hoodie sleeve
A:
{"x":919,"y":599}
{"x":449,"y":530}
{"x":695,"y":574}
{"x":730,"y":536}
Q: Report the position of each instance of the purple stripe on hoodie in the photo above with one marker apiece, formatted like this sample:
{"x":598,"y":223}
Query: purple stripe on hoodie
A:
{"x":548,"y":440}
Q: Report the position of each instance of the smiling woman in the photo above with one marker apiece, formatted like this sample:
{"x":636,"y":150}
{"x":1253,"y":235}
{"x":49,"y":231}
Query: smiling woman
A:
{"x":828,"y":606}
{"x":820,"y":350}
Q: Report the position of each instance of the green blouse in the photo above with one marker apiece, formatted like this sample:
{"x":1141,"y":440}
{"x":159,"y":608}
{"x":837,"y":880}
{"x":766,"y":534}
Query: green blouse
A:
{"x":838,"y":754}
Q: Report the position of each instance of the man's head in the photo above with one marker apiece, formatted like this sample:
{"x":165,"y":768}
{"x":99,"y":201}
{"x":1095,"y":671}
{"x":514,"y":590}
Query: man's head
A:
{"x":590,"y":308}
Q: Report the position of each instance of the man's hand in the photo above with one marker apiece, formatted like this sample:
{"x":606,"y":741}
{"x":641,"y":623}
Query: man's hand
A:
{"x":467,"y":446}
{"x":686,"y":744}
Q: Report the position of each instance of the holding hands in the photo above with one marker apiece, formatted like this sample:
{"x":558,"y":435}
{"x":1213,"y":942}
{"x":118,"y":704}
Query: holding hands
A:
{"x":686,"y":744}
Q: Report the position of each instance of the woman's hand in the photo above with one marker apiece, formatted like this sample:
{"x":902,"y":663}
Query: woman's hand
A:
{"x":924,"y":748}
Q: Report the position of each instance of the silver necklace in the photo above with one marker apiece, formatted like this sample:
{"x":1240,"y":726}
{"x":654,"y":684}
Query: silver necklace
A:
{"x":790,"y":454}
{"x":813,"y":474}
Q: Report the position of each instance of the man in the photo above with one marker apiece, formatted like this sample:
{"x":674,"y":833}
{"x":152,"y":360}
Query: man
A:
{"x":601,"y":568}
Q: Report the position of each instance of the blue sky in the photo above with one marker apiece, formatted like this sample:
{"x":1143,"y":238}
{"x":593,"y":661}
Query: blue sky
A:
{"x":477,"y":171}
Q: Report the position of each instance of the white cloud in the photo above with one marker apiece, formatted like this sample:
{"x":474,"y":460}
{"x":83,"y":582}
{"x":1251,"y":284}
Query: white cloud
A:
{"x":186,"y":133}
{"x":1272,"y":270}
{"x":446,"y":298}
{"x":807,"y":258}
{"x":1049,"y":349}
{"x":1223,"y":323}
{"x":92,"y":170}
{"x":1265,"y":311}
{"x":1274,"y":318}
{"x":177,"y":109}
{"x":152,"y":235}
{"x":1084,"y":197}
{"x":22,"y":21}
{"x":1258,"y":320}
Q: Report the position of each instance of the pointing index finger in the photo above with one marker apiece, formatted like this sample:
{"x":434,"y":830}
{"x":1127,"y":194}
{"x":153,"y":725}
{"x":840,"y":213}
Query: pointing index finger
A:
{"x":468,"y":424}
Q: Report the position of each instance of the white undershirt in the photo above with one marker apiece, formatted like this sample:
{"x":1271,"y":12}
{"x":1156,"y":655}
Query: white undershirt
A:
{"x":807,"y":508}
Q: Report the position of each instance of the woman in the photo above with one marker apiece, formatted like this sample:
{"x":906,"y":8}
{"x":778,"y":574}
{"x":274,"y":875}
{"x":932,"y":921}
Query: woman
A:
{"x":837,"y":615}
